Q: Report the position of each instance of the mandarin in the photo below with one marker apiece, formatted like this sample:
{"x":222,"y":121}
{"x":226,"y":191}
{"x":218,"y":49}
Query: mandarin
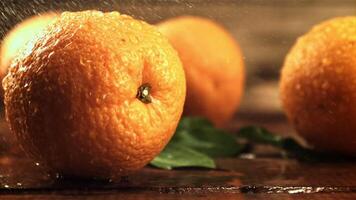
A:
{"x":213,"y":65}
{"x":318,"y":86}
{"x":99,"y":95}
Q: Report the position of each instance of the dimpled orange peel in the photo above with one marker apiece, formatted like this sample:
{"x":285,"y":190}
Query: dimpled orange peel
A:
{"x":318,"y":86}
{"x":18,"y":37}
{"x":213,"y":65}
{"x":99,"y":95}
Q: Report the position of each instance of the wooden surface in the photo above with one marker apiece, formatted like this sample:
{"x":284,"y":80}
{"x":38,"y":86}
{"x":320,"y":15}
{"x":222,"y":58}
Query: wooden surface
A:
{"x":266,"y":177}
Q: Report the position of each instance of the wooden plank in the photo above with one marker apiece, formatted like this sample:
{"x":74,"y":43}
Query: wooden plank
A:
{"x":338,"y":196}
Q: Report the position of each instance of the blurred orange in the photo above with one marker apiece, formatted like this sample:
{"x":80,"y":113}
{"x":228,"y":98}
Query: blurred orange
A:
{"x":213,"y":65}
{"x":20,"y":36}
{"x":318,"y":86}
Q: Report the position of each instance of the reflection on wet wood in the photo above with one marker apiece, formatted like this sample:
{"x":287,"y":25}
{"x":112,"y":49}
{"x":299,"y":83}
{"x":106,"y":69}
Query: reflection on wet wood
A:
{"x":235,"y":179}
{"x":266,"y":177}
{"x":335,"y":196}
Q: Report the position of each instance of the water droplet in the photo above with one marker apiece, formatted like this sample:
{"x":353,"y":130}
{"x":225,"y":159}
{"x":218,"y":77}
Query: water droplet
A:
{"x":134,"y":39}
{"x":104,"y":96}
{"x":325,"y":85}
{"x":81,"y":61}
{"x":58,"y":176}
{"x":248,"y":156}
{"x":298,"y":86}
{"x":325,"y":61}
{"x":50,"y":54}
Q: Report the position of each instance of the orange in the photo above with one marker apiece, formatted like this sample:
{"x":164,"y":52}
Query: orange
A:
{"x":318,"y":86}
{"x":99,"y":95}
{"x":20,"y":36}
{"x":213,"y":65}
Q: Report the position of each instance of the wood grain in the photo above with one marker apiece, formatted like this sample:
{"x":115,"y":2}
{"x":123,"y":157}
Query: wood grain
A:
{"x":267,"y":176}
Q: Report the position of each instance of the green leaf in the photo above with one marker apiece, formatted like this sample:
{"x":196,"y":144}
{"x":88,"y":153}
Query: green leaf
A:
{"x":176,"y":155}
{"x":194,"y":122}
{"x":194,"y":144}
{"x":260,"y":135}
{"x":294,"y":149}
{"x":290,"y":146}
{"x":200,"y":135}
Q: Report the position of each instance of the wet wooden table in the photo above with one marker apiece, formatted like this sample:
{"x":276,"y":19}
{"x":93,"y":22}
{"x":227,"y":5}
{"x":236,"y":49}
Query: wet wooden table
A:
{"x":265,"y":177}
